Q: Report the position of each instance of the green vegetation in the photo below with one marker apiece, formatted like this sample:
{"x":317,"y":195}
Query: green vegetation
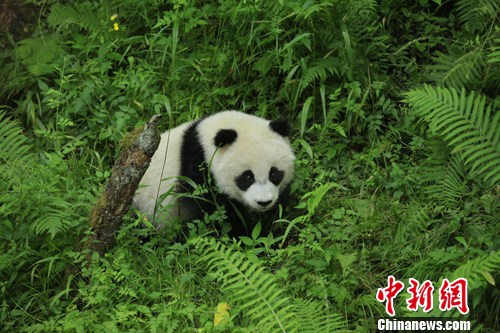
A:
{"x":397,"y":136}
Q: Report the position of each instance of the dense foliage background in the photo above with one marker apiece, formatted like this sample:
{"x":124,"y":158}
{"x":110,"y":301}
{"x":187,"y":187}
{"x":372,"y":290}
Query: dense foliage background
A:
{"x":395,"y":105}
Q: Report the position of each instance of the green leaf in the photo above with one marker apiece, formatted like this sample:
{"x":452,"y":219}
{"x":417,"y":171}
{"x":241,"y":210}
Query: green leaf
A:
{"x":246,"y":240}
{"x":488,"y":277}
{"x":256,"y":231}
{"x":304,"y":115}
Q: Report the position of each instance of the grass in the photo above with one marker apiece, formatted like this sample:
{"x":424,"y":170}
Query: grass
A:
{"x":365,"y":203}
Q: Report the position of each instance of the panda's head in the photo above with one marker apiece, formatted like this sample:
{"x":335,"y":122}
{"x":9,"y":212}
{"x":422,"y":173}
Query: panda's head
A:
{"x":250,"y":157}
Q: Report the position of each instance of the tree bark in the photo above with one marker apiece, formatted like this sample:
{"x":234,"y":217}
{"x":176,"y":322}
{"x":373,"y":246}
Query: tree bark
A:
{"x":106,"y":218}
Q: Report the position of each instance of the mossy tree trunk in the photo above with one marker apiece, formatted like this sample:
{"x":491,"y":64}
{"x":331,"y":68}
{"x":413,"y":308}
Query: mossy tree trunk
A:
{"x":136,"y":151}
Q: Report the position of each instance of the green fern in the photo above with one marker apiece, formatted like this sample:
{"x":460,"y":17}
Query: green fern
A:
{"x":445,"y":174}
{"x":466,"y":64}
{"x":40,"y":55}
{"x":258,"y":297}
{"x":82,"y":15}
{"x":477,"y":14}
{"x":479,"y":270}
{"x":315,"y":318}
{"x":494,"y":54}
{"x":37,"y":185}
{"x":14,"y":145}
{"x":459,"y":69}
{"x":307,"y":9}
{"x":312,"y":74}
{"x":318,"y":72}
{"x":14,"y":157}
{"x":466,"y":123}
{"x":54,"y":218}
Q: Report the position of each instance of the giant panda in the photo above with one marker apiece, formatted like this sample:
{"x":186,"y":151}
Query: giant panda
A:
{"x":244,"y":163}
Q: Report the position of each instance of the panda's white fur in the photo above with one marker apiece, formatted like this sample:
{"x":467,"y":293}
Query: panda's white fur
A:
{"x":230,"y":143}
{"x":161,"y":177}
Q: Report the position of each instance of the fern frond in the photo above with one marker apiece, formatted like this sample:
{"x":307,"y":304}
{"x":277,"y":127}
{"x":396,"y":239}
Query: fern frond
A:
{"x":315,"y":318}
{"x":459,"y":69}
{"x":14,"y":146}
{"x":82,"y":15}
{"x":466,"y":122}
{"x":353,"y":9}
{"x":23,"y":179}
{"x":257,"y":295}
{"x":445,"y":174}
{"x":317,"y":72}
{"x":54,"y":219}
{"x":307,"y":9}
{"x":477,"y":270}
{"x":312,"y":74}
{"x":494,"y":54}
{"x":40,"y":55}
{"x":476,"y":14}
{"x":247,"y":285}
{"x":15,"y":153}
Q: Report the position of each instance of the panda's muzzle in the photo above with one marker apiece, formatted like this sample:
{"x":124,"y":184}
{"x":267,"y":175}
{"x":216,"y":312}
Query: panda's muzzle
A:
{"x":264,"y":203}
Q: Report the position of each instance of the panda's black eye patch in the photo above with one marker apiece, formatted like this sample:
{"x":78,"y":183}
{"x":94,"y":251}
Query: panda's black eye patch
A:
{"x":245,"y":180}
{"x":276,"y":176}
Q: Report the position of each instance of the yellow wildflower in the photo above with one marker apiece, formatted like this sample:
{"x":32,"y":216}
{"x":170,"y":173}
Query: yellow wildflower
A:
{"x":113,"y":17}
{"x":116,"y":27}
{"x":222,"y":315}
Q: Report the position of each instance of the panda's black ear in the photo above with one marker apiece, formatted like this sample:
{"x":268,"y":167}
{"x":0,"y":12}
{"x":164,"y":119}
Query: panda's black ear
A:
{"x":225,"y":137}
{"x":281,"y":126}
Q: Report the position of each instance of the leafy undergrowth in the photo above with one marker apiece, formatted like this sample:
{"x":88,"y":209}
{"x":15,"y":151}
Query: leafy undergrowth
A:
{"x":395,"y":111}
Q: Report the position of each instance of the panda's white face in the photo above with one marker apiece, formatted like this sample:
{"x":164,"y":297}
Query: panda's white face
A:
{"x":251,"y":162}
{"x":262,"y":193}
{"x":256,"y":175}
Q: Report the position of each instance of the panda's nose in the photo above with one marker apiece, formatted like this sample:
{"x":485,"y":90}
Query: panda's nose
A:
{"x":264,"y":203}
